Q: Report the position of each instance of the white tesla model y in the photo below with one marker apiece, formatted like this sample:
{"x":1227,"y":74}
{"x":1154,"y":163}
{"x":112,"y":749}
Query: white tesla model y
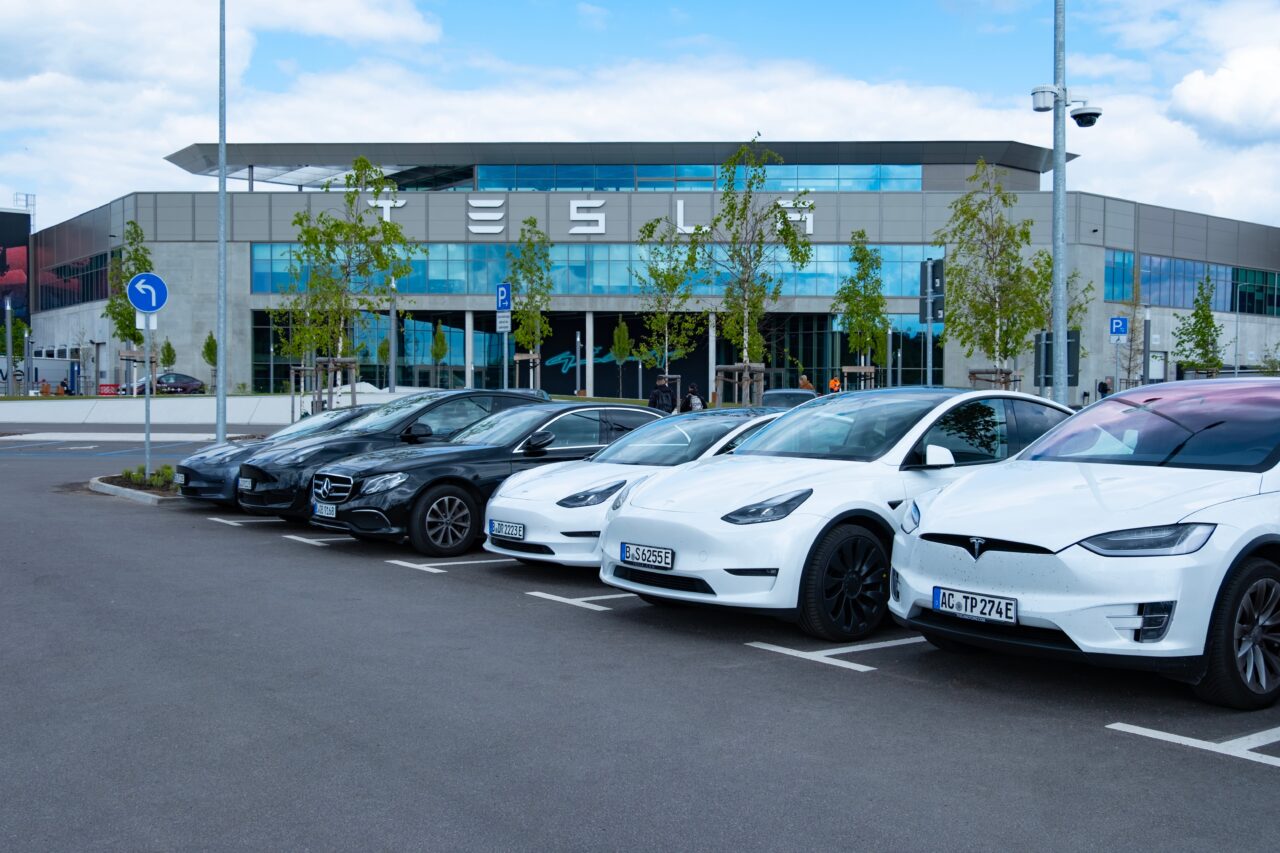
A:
{"x":1144,"y":532}
{"x":799,"y":520}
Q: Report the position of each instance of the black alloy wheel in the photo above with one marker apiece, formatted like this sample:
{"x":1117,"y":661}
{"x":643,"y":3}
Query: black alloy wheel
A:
{"x":443,"y":522}
{"x":1243,"y":648}
{"x":844,"y":591}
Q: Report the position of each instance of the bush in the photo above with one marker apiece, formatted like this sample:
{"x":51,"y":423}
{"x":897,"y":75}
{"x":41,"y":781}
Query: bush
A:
{"x":161,"y":478}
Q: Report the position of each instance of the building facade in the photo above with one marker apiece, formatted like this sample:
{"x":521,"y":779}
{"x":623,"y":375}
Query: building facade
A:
{"x":464,"y":205}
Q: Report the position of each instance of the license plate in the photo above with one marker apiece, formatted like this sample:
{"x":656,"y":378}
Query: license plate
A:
{"x":970,"y":605}
{"x":325,"y":510}
{"x":506,"y":529}
{"x":648,"y":555}
{"x":244,"y":484}
{"x":180,"y":479}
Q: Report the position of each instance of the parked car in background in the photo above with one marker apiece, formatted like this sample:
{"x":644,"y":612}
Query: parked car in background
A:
{"x":277,"y":480}
{"x":436,"y":495}
{"x":1142,"y":533}
{"x":799,"y":520}
{"x":787,"y":398}
{"x":555,"y":513}
{"x":210,"y":473}
{"x":166,"y":383}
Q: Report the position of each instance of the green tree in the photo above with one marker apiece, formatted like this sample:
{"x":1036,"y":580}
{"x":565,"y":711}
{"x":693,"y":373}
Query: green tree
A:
{"x":1196,"y":335}
{"x":384,"y":356}
{"x":132,"y":259}
{"x":622,"y":348}
{"x":340,"y":266}
{"x":1079,"y":294}
{"x":209,"y":352}
{"x":168,"y":357}
{"x":994,"y":301}
{"x":672,"y":264}
{"x":747,"y":236}
{"x":19,"y":333}
{"x":530,"y":265}
{"x":439,"y":349}
{"x":860,"y":302}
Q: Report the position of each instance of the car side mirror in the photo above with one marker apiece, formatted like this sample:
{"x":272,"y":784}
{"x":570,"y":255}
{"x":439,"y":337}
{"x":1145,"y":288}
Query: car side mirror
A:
{"x":937,"y":456}
{"x":539,"y":441}
{"x":416,"y":432}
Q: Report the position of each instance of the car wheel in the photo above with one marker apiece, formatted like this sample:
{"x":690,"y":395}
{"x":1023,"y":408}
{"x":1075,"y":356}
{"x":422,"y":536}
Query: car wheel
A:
{"x":1242,"y":651}
{"x":443,"y":523}
{"x":844,"y":591}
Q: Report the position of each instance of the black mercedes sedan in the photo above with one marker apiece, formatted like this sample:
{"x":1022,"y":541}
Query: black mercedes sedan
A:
{"x":277,"y":480}
{"x":210,"y":473}
{"x":436,"y":495}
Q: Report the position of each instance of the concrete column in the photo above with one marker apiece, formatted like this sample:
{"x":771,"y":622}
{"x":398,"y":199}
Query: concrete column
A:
{"x":711,"y":358}
{"x":250,"y":178}
{"x":589,"y":353}
{"x":469,"y":348}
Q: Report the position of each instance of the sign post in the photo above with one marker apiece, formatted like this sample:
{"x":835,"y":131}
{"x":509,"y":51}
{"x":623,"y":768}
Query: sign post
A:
{"x":504,"y":323}
{"x":147,"y":293}
{"x":1119,"y":330}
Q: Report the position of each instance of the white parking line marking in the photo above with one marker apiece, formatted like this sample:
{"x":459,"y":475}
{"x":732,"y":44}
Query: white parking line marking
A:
{"x":239,"y":521}
{"x":319,"y":542}
{"x":584,"y":603}
{"x":828,"y":656}
{"x":81,"y":447}
{"x":422,"y":567}
{"x":1241,"y":747}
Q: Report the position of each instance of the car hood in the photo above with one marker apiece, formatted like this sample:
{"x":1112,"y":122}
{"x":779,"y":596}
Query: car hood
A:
{"x":225,"y":453}
{"x":408,"y":458}
{"x":275,"y":450}
{"x":1056,"y":504}
{"x":557,"y":482}
{"x":722,"y":484}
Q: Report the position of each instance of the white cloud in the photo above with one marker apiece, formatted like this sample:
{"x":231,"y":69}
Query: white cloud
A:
{"x":1097,"y":66}
{"x":1238,"y":100}
{"x":593,"y":17}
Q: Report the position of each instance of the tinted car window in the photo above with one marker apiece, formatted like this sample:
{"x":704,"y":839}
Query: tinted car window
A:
{"x":733,"y":443}
{"x":855,"y":427}
{"x":622,"y":422}
{"x":667,"y":441}
{"x":1034,"y":420}
{"x":388,"y":415}
{"x":576,"y":429}
{"x":453,"y":415}
{"x":1232,"y":427}
{"x":501,"y":404}
{"x":975,"y":432}
{"x":502,"y":428}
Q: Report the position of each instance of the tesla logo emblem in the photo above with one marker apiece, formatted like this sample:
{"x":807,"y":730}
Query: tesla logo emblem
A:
{"x":977,"y":544}
{"x":486,"y":215}
{"x":387,"y":204}
{"x":324,"y":488}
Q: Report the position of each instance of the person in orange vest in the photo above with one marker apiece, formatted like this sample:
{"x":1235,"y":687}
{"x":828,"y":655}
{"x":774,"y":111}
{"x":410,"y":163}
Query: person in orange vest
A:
{"x":834,"y":385}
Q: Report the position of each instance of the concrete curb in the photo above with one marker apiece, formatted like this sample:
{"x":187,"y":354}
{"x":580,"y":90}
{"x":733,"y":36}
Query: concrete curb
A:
{"x":96,"y":485}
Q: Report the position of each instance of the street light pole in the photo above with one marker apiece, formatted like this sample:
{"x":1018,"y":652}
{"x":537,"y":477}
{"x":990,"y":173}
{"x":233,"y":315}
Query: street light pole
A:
{"x":8,"y":345}
{"x":1060,"y":390}
{"x":221,"y":368}
{"x":1236,"y":357}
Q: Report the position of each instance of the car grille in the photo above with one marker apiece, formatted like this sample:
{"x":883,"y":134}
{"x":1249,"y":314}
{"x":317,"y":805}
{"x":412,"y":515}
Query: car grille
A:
{"x":331,"y":488}
{"x":663,"y":581}
{"x":966,"y":543}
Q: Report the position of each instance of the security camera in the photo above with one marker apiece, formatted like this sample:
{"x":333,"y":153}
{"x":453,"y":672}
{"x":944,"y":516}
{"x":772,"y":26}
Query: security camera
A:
{"x":1086,"y":116}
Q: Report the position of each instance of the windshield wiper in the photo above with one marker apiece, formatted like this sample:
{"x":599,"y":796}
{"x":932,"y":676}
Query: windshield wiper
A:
{"x":1180,"y":445}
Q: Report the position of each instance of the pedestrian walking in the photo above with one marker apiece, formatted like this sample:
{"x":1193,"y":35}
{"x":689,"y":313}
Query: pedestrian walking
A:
{"x":805,"y":384}
{"x":693,"y":401}
{"x":662,"y":397}
{"x":834,"y":385}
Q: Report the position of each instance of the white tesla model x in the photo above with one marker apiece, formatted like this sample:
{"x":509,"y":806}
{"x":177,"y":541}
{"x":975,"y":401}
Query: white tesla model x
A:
{"x":1144,"y":532}
{"x":555,"y":514}
{"x":799,"y":520}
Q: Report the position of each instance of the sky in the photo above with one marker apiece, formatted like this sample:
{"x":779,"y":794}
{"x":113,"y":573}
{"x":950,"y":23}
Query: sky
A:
{"x":95,"y":93}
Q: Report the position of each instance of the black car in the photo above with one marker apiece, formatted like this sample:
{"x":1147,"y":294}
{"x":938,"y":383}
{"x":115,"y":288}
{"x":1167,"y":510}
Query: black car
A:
{"x":277,"y":481}
{"x":210,"y":473}
{"x":436,"y":495}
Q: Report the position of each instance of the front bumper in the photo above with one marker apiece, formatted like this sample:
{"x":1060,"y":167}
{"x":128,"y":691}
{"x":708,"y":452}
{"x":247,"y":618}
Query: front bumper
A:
{"x":209,"y":482}
{"x":283,"y":491}
{"x":382,"y":515}
{"x":1072,"y":604}
{"x":755,"y":566}
{"x":552,"y":533}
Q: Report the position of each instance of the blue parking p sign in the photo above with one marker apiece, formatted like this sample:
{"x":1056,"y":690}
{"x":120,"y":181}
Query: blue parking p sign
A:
{"x":1120,"y":325}
{"x":504,"y":297}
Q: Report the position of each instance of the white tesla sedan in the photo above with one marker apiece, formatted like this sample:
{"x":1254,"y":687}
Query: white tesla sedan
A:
{"x":555,"y":514}
{"x":799,"y":520}
{"x":1144,"y":533}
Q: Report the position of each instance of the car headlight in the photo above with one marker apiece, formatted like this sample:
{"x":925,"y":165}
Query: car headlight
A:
{"x":591,"y":497}
{"x":382,"y":482}
{"x":622,"y":495}
{"x":773,"y":509}
{"x":911,"y":517}
{"x":1167,"y":541}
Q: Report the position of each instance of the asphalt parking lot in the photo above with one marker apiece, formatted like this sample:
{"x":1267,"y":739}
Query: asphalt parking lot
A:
{"x":186,"y":677}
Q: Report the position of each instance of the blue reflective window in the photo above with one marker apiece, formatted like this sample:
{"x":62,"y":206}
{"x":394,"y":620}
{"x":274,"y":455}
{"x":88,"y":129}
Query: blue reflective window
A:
{"x":912,"y":173}
{"x":575,"y":177}
{"x":653,"y":186}
{"x":708,"y":172}
{"x":655,"y":171}
{"x":859,"y":185}
{"x":495,"y":177}
{"x":860,"y":172}
{"x":620,"y":178}
{"x":818,"y":172}
{"x":696,"y":186}
{"x":535,"y":178}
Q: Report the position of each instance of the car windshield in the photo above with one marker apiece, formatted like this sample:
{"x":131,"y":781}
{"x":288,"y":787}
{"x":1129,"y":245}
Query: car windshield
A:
{"x":1232,"y":427}
{"x":312,"y":425}
{"x":669,"y":441}
{"x":502,"y":428}
{"x":854,"y":427}
{"x":388,"y":415}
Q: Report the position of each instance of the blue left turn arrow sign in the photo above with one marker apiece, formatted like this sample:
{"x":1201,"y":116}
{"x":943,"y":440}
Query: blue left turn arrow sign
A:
{"x":147,"y":292}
